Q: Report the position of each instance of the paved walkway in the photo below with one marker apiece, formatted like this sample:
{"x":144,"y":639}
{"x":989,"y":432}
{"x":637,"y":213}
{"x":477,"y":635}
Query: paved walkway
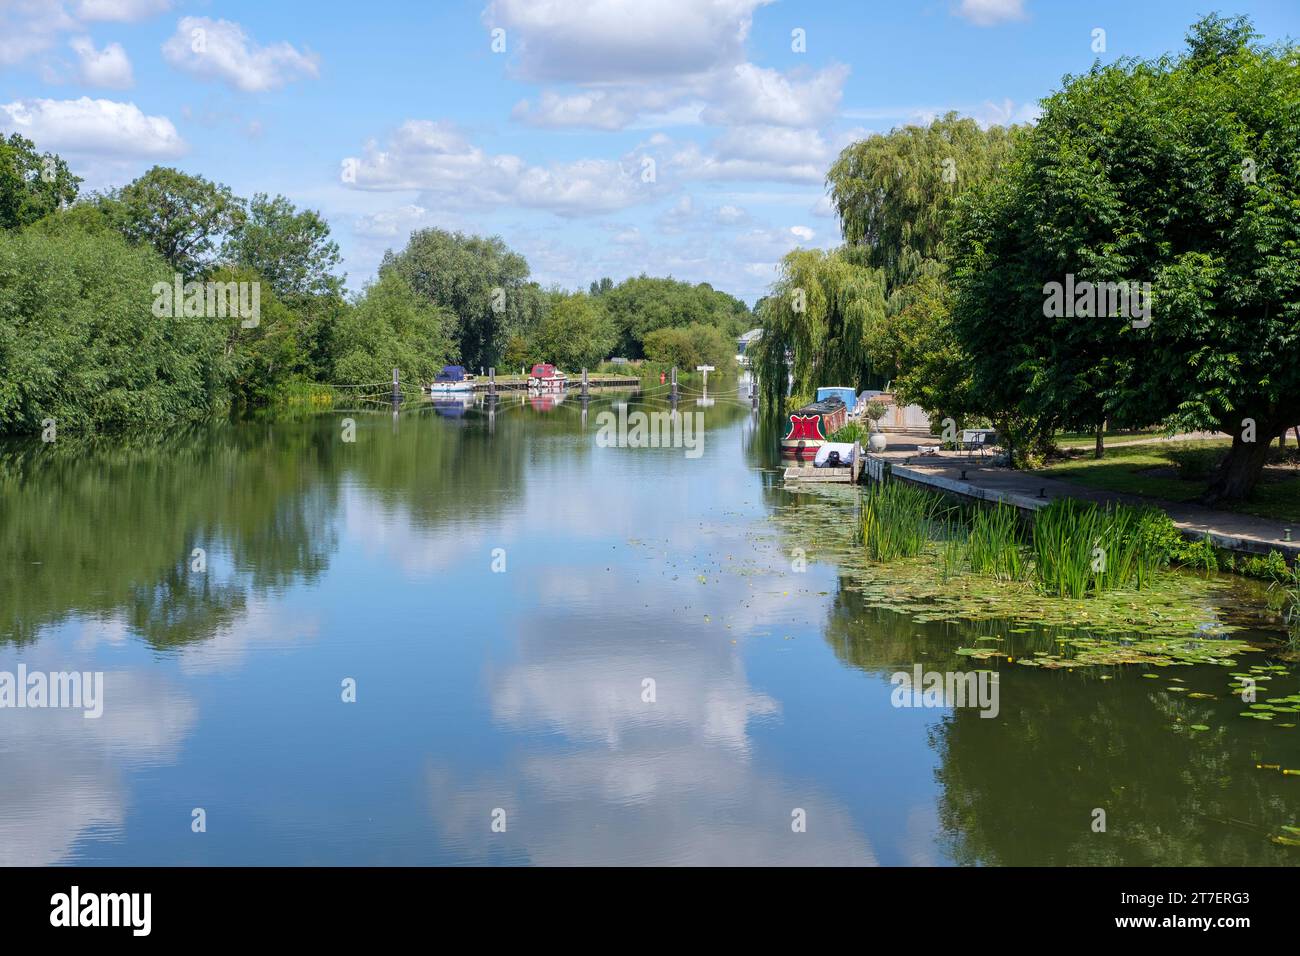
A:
{"x":977,"y":478}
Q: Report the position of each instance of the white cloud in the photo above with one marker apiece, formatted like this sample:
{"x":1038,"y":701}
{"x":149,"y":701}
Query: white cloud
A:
{"x":802,"y":233}
{"x":594,"y":41}
{"x":96,"y":127}
{"x":742,"y":94}
{"x":1007,"y":113}
{"x":729,"y":215}
{"x":28,"y":27}
{"x":221,"y":50}
{"x":434,"y":159}
{"x":123,"y":11}
{"x":677,"y":217}
{"x":748,"y":94}
{"x":391,"y":223}
{"x":766,"y":244}
{"x":823,"y":207}
{"x":31,"y":27}
{"x":607,"y":108}
{"x":109,"y":67}
{"x":986,"y":13}
{"x":758,"y":153}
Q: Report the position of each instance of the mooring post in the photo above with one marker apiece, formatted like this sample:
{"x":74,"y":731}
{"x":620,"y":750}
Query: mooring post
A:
{"x":397,"y":390}
{"x":584,"y":384}
{"x":753,"y":392}
{"x":674,"y":381}
{"x":492,"y":383}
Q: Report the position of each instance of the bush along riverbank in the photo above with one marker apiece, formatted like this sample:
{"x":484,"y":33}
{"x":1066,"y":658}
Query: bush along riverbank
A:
{"x":1108,"y":586}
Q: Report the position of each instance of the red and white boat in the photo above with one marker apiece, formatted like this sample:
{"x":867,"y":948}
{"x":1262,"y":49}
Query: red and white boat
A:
{"x":546,"y":378}
{"x":810,"y":427}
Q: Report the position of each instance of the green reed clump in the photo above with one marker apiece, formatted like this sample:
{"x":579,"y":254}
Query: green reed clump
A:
{"x":1288,"y":583}
{"x":1063,"y":538}
{"x":1080,"y":548}
{"x":953,"y":549}
{"x":995,"y":543}
{"x":896,"y":520}
{"x":1151,"y":531}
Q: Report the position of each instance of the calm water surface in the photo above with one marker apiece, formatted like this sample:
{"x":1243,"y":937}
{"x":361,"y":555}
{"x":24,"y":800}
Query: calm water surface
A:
{"x":523,"y":691}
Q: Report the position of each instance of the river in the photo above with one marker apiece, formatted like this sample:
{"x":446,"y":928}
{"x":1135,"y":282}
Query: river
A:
{"x":458,"y":639}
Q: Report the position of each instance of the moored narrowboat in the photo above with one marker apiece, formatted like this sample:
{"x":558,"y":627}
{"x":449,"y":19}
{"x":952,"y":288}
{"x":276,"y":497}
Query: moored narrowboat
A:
{"x":809,"y":427}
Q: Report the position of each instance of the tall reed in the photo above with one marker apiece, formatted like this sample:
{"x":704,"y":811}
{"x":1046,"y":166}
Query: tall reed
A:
{"x":896,"y":520}
{"x":1289,"y":584}
{"x":995,"y":542}
{"x":1080,"y":548}
{"x":1063,"y":538}
{"x":953,"y":549}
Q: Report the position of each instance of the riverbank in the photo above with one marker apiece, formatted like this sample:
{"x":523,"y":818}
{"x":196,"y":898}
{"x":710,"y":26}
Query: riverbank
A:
{"x":979,"y":479}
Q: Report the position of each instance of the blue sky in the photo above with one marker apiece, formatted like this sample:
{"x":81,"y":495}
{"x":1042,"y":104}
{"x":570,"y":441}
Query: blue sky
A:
{"x":609,"y":137}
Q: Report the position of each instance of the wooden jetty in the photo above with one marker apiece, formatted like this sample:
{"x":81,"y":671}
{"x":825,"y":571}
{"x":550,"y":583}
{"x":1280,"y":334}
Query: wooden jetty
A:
{"x":805,"y":472}
{"x":516,"y":384}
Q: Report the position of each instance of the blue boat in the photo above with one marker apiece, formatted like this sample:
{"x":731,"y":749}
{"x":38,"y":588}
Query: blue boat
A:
{"x":452,"y":378}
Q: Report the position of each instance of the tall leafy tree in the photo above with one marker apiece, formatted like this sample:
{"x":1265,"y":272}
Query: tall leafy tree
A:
{"x":32,"y":184}
{"x":575,"y":334}
{"x":820,"y":313}
{"x":1178,"y":172}
{"x":895,"y":192}
{"x":640,"y":305}
{"x":185,"y":218}
{"x":689,"y":346}
{"x":289,"y":248}
{"x":479,"y":280}
{"x":80,"y":344}
{"x":391,"y":326}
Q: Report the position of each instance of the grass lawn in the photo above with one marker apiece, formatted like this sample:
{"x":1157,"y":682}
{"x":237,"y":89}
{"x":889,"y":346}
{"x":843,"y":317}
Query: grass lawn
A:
{"x":1070,"y":440}
{"x":1152,"y":470}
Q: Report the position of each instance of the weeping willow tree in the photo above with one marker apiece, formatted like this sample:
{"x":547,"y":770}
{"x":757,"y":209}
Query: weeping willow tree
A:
{"x":895,"y":192}
{"x":820,"y":314}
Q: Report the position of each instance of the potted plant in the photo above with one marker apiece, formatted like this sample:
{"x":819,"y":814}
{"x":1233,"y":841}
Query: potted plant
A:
{"x":875,"y":411}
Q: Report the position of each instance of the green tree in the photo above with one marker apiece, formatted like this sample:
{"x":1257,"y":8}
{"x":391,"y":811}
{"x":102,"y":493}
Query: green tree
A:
{"x":896,"y":195}
{"x":1178,"y":172}
{"x":480,"y":281}
{"x":895,"y":192}
{"x":640,"y":305}
{"x":915,"y":349}
{"x":689,"y":346}
{"x":820,"y":312}
{"x":390,"y":326}
{"x":32,"y":184}
{"x":288,"y":247}
{"x":80,"y":343}
{"x":576,"y":333}
{"x":260,"y":359}
{"x":185,"y":218}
